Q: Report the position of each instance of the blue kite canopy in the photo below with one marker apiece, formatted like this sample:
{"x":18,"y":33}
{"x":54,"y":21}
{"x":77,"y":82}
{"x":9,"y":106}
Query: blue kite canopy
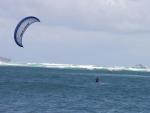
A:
{"x":21,"y":28}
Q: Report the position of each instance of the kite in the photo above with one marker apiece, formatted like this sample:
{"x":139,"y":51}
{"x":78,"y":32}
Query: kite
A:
{"x":22,"y":27}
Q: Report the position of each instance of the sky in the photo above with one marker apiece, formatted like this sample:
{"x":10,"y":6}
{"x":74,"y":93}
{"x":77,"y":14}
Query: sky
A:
{"x":98,"y":32}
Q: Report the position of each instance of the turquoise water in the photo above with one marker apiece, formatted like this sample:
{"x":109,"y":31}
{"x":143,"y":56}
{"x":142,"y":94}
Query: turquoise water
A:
{"x":52,"y":90}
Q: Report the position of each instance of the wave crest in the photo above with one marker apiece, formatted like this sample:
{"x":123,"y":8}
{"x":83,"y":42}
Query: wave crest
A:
{"x":72,"y":66}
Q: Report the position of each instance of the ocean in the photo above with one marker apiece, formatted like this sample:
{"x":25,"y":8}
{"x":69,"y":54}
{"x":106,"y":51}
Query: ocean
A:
{"x":51,"y":88}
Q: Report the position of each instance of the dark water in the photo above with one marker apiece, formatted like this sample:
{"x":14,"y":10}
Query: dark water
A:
{"x":39,"y":90}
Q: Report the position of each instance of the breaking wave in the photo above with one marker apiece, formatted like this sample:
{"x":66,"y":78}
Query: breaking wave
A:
{"x":72,"y":66}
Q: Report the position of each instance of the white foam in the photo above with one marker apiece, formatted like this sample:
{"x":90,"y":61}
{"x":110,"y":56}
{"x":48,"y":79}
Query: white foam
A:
{"x":72,"y":66}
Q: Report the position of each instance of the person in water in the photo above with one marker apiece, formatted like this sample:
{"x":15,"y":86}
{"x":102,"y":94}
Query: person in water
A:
{"x":97,"y":79}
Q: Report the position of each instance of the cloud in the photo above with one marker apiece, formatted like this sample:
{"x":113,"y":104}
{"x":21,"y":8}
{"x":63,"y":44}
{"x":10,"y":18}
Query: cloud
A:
{"x":102,"y":15}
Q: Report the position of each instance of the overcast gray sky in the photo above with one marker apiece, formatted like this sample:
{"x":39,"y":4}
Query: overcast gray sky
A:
{"x":101,"y":32}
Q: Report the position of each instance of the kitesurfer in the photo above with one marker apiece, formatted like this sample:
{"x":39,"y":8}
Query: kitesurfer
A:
{"x":97,"y":79}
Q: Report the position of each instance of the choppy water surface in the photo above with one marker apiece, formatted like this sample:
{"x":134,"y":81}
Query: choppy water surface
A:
{"x":46,"y":90}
